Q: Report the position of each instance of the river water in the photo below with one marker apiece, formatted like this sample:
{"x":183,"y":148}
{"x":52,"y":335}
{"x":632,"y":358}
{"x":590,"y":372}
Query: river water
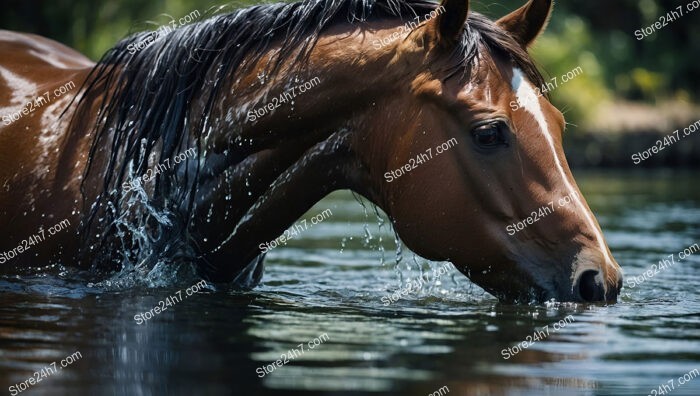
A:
{"x":327,"y":304}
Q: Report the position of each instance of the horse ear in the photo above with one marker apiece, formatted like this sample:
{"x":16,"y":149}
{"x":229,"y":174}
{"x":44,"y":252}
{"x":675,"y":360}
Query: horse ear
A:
{"x":449,"y":23}
{"x":528,"y":21}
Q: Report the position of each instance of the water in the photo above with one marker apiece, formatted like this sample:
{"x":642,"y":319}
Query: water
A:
{"x":327,"y":285}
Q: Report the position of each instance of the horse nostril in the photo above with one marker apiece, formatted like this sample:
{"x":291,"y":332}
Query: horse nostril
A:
{"x":589,"y":288}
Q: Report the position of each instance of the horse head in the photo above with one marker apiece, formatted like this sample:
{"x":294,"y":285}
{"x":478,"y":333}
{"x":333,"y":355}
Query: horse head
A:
{"x":469,"y":178}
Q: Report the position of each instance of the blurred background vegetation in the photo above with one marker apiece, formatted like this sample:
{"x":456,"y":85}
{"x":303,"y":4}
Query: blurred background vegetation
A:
{"x":630,"y":92}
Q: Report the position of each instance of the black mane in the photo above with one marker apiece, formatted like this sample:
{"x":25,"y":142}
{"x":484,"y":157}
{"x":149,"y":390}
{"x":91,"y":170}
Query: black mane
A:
{"x":147,"y":112}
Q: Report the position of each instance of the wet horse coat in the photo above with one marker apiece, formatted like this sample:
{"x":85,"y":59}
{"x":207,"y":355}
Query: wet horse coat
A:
{"x":449,"y":77}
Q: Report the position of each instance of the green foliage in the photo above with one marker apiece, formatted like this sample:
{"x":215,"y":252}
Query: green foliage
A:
{"x":597,"y":36}
{"x":600,"y":37}
{"x":570,"y":49}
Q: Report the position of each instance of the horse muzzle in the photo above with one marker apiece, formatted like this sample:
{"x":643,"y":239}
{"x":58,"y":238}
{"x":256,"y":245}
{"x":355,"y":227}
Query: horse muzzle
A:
{"x":592,"y":286}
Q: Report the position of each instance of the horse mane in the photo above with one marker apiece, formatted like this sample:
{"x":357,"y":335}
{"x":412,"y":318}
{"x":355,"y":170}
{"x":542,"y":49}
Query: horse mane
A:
{"x":147,"y":97}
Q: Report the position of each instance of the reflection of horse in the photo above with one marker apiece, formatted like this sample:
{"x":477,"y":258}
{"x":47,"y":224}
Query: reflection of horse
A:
{"x":341,"y":93}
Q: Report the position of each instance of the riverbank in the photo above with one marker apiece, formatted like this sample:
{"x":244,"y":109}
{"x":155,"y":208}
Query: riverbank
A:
{"x":626,"y":135}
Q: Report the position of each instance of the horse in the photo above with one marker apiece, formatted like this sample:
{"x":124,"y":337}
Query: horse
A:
{"x":404,"y":102}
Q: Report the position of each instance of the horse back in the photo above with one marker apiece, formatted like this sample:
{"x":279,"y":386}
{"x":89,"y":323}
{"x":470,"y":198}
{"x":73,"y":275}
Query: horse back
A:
{"x":25,"y":54}
{"x":39,"y":78}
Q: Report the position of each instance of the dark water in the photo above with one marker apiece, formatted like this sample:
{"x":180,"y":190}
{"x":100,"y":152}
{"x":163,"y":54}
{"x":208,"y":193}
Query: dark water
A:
{"x":327,"y":285}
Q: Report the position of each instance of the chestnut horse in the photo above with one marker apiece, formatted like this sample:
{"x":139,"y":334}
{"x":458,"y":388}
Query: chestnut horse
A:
{"x":279,"y":105}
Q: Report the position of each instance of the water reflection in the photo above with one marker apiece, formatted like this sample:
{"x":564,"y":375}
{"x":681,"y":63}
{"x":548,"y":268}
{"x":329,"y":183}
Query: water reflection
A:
{"x":448,"y":334}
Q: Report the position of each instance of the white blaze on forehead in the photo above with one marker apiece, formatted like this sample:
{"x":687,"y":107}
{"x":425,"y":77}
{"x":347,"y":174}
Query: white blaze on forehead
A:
{"x":529,"y":101}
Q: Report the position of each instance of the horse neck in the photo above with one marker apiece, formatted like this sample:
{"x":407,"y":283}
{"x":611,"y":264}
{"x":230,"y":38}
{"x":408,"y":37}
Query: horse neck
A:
{"x":293,"y":155}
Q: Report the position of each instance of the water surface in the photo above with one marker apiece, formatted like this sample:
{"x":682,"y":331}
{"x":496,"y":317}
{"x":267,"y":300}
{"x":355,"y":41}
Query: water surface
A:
{"x":328,"y":285}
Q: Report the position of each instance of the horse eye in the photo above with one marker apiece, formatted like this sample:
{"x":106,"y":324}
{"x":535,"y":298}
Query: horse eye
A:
{"x":489,"y":136}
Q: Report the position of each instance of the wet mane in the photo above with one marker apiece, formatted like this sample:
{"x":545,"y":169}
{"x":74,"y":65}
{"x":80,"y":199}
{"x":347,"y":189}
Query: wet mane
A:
{"x":149,"y":113}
